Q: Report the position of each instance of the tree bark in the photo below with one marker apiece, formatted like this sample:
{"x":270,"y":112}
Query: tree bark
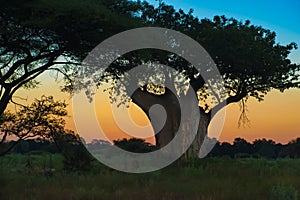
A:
{"x":194,"y":149}
{"x":5,"y":98}
{"x":169,"y":101}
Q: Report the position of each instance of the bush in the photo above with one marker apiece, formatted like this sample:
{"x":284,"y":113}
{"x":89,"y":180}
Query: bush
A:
{"x":76,"y":156}
{"x":135,"y":145}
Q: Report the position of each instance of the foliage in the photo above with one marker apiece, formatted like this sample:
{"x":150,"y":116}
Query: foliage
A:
{"x":76,"y":157}
{"x":259,"y":148}
{"x":33,"y":146}
{"x":248,"y":57}
{"x":134,"y":145}
{"x":292,"y":150}
{"x":250,"y":60}
{"x":42,"y":119}
{"x":39,"y":35}
{"x":36,"y":33}
{"x":282,"y":192}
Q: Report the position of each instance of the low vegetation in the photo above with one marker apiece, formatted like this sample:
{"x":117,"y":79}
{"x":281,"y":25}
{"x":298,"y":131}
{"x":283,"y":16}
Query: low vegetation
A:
{"x":42,"y":176}
{"x":240,"y":148}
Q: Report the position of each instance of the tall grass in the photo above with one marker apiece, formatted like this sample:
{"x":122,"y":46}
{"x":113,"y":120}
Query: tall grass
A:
{"x":209,"y":178}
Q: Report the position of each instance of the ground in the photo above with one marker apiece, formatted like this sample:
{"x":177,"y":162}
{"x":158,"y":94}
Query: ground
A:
{"x":42,"y":177}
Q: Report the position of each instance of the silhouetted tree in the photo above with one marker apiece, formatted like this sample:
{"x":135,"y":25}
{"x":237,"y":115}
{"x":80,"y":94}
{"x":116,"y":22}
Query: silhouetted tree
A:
{"x":266,"y":148}
{"x":97,"y":145}
{"x":34,"y":146}
{"x":292,"y":149}
{"x":134,"y":145}
{"x":259,"y":148}
{"x":42,"y":119}
{"x":242,"y":146}
{"x":38,"y":36}
{"x":223,"y":149}
{"x":247,"y":56}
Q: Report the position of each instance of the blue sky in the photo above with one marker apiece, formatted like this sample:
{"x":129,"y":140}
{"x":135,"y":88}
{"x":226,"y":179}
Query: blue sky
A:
{"x":280,"y":16}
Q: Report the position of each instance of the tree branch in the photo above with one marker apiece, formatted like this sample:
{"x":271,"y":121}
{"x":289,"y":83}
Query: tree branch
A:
{"x":26,"y":77}
{"x":18,"y":104}
{"x":66,"y":63}
{"x":63,"y":73}
{"x":26,"y":61}
{"x":10,"y":148}
{"x":4,"y":137}
{"x":229,"y":100}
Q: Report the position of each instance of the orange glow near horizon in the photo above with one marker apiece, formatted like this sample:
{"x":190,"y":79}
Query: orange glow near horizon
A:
{"x":108,"y":124}
{"x":276,"y":118}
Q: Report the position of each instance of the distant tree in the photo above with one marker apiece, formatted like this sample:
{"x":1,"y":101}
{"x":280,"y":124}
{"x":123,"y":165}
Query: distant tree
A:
{"x":134,"y":145}
{"x":96,"y":145}
{"x":258,"y":148}
{"x":266,"y":148}
{"x":223,"y":149}
{"x":227,"y":149}
{"x":292,"y":149}
{"x":33,"y":146}
{"x":216,"y":151}
{"x":99,"y":142}
{"x":42,"y":119}
{"x":240,"y":145}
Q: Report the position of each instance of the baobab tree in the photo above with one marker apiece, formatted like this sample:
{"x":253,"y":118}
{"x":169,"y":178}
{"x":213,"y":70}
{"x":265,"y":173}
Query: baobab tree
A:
{"x":249,"y":59}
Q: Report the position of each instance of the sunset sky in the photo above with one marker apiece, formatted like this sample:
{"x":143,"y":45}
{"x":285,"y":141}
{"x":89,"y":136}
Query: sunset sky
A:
{"x":277,"y":117}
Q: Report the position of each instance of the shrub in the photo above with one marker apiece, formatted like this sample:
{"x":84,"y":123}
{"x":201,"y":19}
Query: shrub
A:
{"x":76,"y":156}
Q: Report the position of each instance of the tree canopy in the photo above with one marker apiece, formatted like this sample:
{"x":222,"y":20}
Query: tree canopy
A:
{"x":38,"y":36}
{"x":249,"y":58}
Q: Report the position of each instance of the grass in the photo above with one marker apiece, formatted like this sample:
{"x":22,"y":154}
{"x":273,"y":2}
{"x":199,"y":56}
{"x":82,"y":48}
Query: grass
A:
{"x":24,"y":177}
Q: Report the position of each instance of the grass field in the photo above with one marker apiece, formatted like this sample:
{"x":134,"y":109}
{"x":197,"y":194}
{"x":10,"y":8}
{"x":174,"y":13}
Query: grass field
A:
{"x":42,"y":177}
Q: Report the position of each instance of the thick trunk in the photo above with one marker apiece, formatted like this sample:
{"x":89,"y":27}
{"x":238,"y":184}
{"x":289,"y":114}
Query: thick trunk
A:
{"x":171,"y":105}
{"x":197,"y":144}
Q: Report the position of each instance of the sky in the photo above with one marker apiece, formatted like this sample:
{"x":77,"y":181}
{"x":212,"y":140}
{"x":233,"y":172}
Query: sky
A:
{"x":276,"y":118}
{"x":280,"y":16}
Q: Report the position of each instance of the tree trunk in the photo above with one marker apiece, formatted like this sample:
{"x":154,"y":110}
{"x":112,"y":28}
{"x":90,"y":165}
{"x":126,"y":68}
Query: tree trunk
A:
{"x":169,"y":101}
{"x":171,"y":104}
{"x":197,"y":144}
{"x":5,"y":98}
